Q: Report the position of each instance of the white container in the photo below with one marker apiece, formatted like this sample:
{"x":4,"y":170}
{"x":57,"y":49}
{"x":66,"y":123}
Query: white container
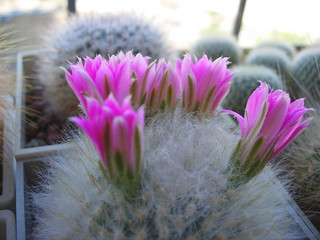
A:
{"x":7,"y":225}
{"x":8,"y":192}
{"x":25,"y":64}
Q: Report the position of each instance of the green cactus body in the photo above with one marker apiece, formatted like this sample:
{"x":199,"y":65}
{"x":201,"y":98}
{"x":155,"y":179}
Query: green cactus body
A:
{"x":306,"y":73}
{"x":245,"y":81}
{"x":90,"y":35}
{"x":184,"y":192}
{"x":286,"y":47}
{"x":217,"y":46}
{"x":272,"y":58}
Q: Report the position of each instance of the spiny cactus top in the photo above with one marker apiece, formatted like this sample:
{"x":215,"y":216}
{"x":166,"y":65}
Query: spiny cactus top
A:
{"x":287,"y":47}
{"x":306,"y":71}
{"x":218,"y":46}
{"x":184,"y":191}
{"x":89,"y":35}
{"x":272,"y":58}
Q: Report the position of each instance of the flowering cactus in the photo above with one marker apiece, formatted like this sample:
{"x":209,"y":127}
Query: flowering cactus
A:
{"x":184,"y":191}
{"x":205,"y":83}
{"x":116,"y":131}
{"x":269,"y":124}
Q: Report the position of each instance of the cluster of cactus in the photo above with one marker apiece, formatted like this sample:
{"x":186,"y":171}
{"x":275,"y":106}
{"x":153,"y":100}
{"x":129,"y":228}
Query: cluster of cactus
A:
{"x":286,"y":47}
{"x":90,"y":35}
{"x":305,"y":71}
{"x":270,"y":57}
{"x":244,"y":82}
{"x":217,"y":46}
{"x":184,"y":191}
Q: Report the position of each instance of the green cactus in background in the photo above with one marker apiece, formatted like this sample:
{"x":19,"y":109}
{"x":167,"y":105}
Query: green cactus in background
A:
{"x":245,"y":81}
{"x":272,"y":58}
{"x":306,"y":73}
{"x":217,"y":46}
{"x":88,"y":36}
{"x":286,"y":47}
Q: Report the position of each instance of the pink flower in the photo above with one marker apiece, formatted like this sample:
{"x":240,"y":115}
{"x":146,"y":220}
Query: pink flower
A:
{"x":116,"y":130}
{"x":204,"y":83}
{"x":81,"y":79}
{"x":160,"y":86}
{"x":98,"y":78}
{"x":270,"y":123}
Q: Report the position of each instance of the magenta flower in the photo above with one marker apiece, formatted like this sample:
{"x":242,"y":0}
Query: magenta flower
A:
{"x":116,"y":130}
{"x":270,"y":123}
{"x":98,"y":78}
{"x":160,"y":86}
{"x":204,"y":83}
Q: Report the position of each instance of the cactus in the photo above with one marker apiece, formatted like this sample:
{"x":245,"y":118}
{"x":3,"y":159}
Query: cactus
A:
{"x":245,"y":81}
{"x":303,"y":159}
{"x":88,"y":36}
{"x":286,"y":47}
{"x":306,"y":72}
{"x":217,"y":46}
{"x":272,"y":58}
{"x":184,"y":191}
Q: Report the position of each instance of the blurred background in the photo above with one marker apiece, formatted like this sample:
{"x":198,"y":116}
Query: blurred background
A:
{"x":184,"y":21}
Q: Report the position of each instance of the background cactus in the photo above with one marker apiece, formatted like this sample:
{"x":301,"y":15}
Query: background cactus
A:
{"x":245,"y":81}
{"x":88,"y":36}
{"x":306,"y":73}
{"x":184,"y":191}
{"x":217,"y":46}
{"x":303,"y":159}
{"x":286,"y":47}
{"x":272,"y":58}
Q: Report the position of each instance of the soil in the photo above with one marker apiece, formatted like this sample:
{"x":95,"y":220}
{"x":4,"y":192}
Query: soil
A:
{"x":42,"y":128}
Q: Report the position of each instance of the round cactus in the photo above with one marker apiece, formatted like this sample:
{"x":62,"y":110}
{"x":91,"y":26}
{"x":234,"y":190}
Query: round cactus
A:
{"x":272,"y":58}
{"x":184,"y":192}
{"x":303,"y":159}
{"x":286,"y":47}
{"x":306,"y":72}
{"x":245,"y":81}
{"x":217,"y":46}
{"x":88,"y":36}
